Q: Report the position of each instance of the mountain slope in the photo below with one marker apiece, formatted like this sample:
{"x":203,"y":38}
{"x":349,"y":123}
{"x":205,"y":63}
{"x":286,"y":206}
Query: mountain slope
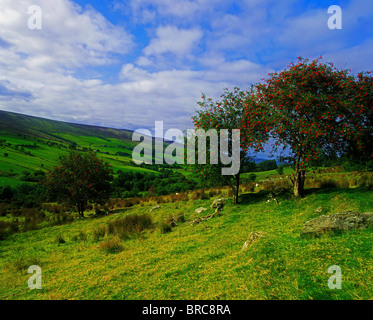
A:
{"x":29,"y":144}
{"x":50,"y":129}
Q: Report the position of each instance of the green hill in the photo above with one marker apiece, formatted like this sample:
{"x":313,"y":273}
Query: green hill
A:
{"x":28,"y":144}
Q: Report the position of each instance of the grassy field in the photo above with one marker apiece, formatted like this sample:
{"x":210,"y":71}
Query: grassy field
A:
{"x":201,"y":261}
{"x":31,"y":144}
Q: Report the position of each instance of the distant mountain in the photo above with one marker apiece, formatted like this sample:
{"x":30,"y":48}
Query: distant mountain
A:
{"x":258,"y":160}
{"x":21,"y":124}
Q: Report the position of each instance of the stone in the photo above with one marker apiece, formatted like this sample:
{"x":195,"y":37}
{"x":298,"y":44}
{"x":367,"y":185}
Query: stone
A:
{"x":253,"y":236}
{"x":200,"y":210}
{"x":218,"y":203}
{"x":155,"y":208}
{"x":342,"y":221}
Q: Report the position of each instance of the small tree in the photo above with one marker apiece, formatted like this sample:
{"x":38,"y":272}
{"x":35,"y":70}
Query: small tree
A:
{"x":228,"y":113}
{"x":81,"y":178}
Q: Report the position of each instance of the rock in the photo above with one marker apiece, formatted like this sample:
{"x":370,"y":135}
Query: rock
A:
{"x":218,"y":203}
{"x":342,"y":221}
{"x":253,"y":236}
{"x":154,"y":208}
{"x":200,"y":210}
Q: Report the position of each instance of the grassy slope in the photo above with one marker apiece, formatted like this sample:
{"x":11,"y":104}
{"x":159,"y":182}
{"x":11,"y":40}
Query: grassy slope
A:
{"x":203,"y":261}
{"x":41,"y":133}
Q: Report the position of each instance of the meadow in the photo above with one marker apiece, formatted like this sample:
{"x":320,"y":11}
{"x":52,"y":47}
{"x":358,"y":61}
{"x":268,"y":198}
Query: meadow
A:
{"x":147,"y":245}
{"x":100,"y":258}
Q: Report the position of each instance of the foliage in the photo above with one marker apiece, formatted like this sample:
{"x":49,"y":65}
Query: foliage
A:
{"x":310,"y":107}
{"x":267,"y":165}
{"x":81,"y":178}
{"x":228,"y":113}
{"x":129,"y":225}
{"x":130,"y":184}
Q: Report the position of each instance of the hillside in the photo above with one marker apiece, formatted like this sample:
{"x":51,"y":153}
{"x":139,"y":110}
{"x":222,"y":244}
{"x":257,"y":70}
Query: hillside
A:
{"x":30,"y":143}
{"x":87,"y":259}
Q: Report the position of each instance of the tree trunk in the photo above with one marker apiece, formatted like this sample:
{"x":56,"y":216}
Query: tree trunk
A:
{"x":298,"y":183}
{"x":80,"y":207}
{"x":298,"y":179}
{"x":237,"y":188}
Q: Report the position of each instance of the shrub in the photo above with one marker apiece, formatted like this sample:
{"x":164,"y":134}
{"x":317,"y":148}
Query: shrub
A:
{"x":268,"y":185}
{"x":365,"y":180}
{"x":61,"y":218}
{"x":280,"y":170}
{"x":170,"y":220}
{"x":112,"y":245}
{"x":129,"y":225}
{"x":180,"y":217}
{"x":199,"y":195}
{"x":352,"y":182}
{"x":343,"y":183}
{"x":60,"y":239}
{"x":4,"y":229}
{"x":328,"y":183}
{"x":165,"y":227}
{"x":252,"y":177}
{"x":99,"y":233}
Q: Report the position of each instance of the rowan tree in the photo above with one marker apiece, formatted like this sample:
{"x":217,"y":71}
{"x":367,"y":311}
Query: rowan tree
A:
{"x":227,"y":113}
{"x":81,"y":178}
{"x":359,"y":126}
{"x":308,"y":109}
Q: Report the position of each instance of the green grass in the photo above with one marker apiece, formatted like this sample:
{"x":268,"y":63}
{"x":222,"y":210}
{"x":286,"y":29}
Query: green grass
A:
{"x":202,"y":261}
{"x":51,"y":139}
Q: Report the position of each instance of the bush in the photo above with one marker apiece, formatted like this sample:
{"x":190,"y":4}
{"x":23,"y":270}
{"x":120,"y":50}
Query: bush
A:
{"x":365,"y":180}
{"x":328,"y":183}
{"x":99,"y":233}
{"x":129,"y":225}
{"x":165,"y":227}
{"x":199,"y":195}
{"x":4,"y":229}
{"x":252,"y":177}
{"x":60,"y":239}
{"x":180,"y":217}
{"x":113,"y":245}
{"x":280,"y":170}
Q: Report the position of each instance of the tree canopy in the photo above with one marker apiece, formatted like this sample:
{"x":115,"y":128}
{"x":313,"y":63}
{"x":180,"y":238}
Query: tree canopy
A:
{"x":81,"y":178}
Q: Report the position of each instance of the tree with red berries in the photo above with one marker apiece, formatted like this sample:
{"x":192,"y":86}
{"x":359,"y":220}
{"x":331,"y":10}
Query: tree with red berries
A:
{"x":309,"y":107}
{"x":359,"y":127}
{"x":227,"y":113}
{"x":81,"y":178}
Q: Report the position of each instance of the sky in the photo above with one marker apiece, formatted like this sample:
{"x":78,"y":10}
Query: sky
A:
{"x":128,"y":63}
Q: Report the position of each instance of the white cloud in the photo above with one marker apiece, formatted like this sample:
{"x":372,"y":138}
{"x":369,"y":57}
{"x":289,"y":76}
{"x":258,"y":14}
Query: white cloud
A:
{"x":70,"y":37}
{"x":170,"y":39}
{"x":198,"y":47}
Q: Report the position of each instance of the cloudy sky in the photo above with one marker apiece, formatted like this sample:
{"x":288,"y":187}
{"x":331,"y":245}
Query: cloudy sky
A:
{"x":129,"y":63}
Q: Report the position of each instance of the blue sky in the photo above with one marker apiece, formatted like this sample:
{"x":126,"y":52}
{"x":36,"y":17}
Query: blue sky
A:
{"x":127,"y":64}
